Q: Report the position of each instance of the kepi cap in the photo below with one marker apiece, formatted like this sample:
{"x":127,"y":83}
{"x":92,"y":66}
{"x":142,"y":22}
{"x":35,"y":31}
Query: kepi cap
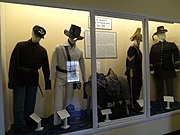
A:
{"x":39,"y":31}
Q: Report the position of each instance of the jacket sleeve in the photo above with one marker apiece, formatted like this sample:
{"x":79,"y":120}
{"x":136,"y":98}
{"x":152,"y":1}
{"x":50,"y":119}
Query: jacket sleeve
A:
{"x":130,"y":63}
{"x":46,"y":72}
{"x":13,"y":68}
{"x":82,"y":67}
{"x":151,"y":57}
{"x":176,"y":56}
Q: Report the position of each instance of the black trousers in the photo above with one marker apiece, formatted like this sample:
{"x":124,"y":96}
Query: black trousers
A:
{"x":136,"y":84}
{"x":160,"y":87}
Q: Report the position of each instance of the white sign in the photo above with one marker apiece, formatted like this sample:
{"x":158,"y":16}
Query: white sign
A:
{"x":35,"y":117}
{"x":169,"y":98}
{"x":141,"y":102}
{"x":63,"y":114}
{"x":106,"y":111}
{"x":102,"y":23}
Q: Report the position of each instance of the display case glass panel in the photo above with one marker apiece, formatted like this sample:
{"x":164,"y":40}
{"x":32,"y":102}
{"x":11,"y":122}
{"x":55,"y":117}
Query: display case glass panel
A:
{"x":164,"y":44}
{"x":119,"y":68}
{"x":19,"y":21}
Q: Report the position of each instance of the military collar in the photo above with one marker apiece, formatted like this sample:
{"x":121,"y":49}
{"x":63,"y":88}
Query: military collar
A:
{"x":71,"y":43}
{"x":162,"y":41}
{"x":32,"y":43}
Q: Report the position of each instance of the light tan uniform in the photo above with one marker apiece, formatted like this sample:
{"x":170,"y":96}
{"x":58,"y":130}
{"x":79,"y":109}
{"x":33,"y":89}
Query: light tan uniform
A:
{"x":59,"y":58}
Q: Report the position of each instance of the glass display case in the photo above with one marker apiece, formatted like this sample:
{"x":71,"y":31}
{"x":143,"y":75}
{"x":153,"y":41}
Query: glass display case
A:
{"x":119,"y":51}
{"x":164,"y":66}
{"x":123,"y":69}
{"x":56,"y":116}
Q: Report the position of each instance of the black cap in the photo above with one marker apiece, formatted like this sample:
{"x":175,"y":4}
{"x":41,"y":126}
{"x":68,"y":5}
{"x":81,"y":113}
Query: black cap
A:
{"x":39,"y":31}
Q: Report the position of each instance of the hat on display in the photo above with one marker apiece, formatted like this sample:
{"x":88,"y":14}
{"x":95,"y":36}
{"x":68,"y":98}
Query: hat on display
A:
{"x":39,"y":31}
{"x":74,"y":32}
{"x":160,"y":30}
{"x":137,"y":35}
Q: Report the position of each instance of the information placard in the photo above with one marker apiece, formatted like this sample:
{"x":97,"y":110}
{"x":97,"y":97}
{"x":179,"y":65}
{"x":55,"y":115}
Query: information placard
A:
{"x":102,"y":23}
{"x":105,"y":44}
{"x":169,"y":98}
{"x":63,"y":114}
{"x":106,"y":111}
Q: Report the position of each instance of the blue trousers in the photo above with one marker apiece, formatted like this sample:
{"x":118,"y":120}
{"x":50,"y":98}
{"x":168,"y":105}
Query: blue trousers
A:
{"x":160,"y":87}
{"x":24,"y":99}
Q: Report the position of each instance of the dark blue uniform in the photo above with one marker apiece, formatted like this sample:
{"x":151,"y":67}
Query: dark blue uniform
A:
{"x":164,"y":59}
{"x":27,"y":57}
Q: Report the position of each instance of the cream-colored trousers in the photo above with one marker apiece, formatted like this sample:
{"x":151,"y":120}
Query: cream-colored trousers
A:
{"x":63,"y":94}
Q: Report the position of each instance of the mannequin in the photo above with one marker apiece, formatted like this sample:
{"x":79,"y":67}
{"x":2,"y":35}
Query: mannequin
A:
{"x":59,"y":70}
{"x":164,"y":59}
{"x":23,"y":78}
{"x":134,"y":68}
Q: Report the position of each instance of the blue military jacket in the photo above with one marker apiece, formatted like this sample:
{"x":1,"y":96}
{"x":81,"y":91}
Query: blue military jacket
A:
{"x":164,"y":59}
{"x":26,"y":58}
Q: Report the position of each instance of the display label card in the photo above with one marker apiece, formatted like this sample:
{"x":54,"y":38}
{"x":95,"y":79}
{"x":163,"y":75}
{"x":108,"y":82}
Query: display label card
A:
{"x":106,"y":111}
{"x":63,"y":114}
{"x":35,"y":117}
{"x":141,"y":102}
{"x":72,"y":71}
{"x":169,"y":98}
{"x":102,"y":23}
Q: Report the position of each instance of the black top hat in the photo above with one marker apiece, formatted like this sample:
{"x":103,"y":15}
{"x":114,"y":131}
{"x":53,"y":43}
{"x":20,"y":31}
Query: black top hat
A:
{"x":74,"y":32}
{"x":39,"y":31}
{"x":160,"y":29}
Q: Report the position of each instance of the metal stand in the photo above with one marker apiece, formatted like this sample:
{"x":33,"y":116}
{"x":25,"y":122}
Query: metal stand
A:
{"x":107,"y":118}
{"x":66,"y":126}
{"x":39,"y":128}
{"x":168,"y":106}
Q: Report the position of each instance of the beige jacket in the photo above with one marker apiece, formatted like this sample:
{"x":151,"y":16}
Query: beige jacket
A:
{"x":59,"y":58}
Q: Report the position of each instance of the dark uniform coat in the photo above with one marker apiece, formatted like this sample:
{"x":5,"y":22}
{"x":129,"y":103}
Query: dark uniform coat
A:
{"x":27,"y":57}
{"x":134,"y":63}
{"x":164,"y":58}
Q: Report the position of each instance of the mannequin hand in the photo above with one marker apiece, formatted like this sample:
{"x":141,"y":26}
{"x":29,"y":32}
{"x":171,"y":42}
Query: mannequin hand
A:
{"x":177,"y":70}
{"x":152,"y":72}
